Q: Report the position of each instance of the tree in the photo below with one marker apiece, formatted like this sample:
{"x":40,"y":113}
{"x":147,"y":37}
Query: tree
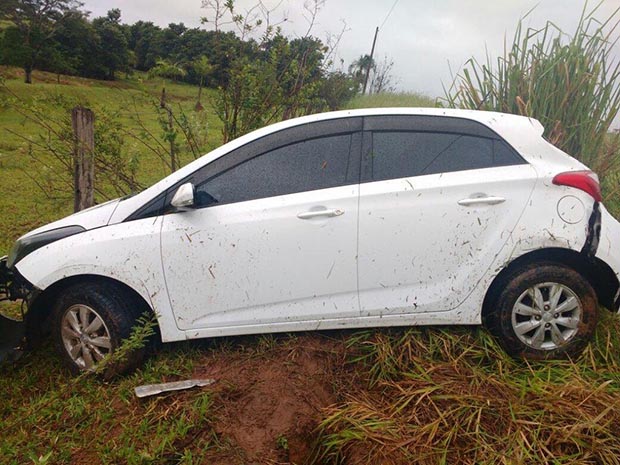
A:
{"x":202,"y":68}
{"x":75,"y":41}
{"x":112,"y":53}
{"x":35,"y":23}
{"x":382,"y":78}
{"x":250,"y":99}
{"x":337,"y":89}
{"x":272,"y":77}
{"x":360,"y":67}
{"x":144,"y":39}
{"x":301,"y":72}
{"x":170,"y":42}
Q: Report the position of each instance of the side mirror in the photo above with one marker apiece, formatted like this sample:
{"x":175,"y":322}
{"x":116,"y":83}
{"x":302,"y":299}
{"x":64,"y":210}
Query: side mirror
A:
{"x":184,"y":197}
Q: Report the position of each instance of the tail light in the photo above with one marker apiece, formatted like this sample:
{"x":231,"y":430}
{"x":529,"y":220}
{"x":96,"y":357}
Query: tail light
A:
{"x":587,"y":181}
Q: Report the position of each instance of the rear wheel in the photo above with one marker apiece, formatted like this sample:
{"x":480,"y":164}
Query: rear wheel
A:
{"x":90,"y":321}
{"x":543,"y":311}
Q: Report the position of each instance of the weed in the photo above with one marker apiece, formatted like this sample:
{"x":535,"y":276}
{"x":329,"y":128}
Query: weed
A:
{"x":282,"y":442}
{"x":144,"y":330}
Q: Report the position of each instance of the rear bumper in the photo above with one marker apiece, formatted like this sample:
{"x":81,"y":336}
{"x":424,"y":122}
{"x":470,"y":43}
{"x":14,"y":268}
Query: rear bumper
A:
{"x":608,"y":249}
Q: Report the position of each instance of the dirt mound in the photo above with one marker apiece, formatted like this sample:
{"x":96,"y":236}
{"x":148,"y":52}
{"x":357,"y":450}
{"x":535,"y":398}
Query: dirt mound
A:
{"x":269,"y":402}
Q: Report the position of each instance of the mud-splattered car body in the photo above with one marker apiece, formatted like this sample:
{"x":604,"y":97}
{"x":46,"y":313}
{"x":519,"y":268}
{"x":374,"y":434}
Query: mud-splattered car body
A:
{"x":374,"y":246}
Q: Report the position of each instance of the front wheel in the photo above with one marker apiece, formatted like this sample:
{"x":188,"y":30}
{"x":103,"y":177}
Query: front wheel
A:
{"x":544,"y":311}
{"x":90,"y":321}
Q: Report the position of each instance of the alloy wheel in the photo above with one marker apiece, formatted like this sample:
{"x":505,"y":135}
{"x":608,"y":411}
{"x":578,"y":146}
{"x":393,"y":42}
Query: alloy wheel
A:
{"x":546,"y":316}
{"x":85,"y":336}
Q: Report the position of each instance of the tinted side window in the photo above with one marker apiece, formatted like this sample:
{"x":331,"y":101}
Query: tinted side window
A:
{"x":403,"y":154}
{"x":504,"y":155}
{"x":303,"y":166}
{"x":461,"y":153}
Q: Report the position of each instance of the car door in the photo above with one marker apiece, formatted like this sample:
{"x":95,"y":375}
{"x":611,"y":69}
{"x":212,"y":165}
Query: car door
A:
{"x":438,"y":200}
{"x":274,"y":236}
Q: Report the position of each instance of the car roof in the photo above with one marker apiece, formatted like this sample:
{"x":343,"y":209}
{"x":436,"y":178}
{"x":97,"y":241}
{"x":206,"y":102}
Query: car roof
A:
{"x":494,"y":120}
{"x":523,"y":133}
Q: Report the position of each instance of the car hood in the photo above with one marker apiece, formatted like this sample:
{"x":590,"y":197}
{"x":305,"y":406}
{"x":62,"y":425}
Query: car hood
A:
{"x":91,"y":218}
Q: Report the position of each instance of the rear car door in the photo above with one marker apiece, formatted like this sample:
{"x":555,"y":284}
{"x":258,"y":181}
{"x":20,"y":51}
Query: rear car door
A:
{"x":274,"y":236}
{"x":439,"y":198}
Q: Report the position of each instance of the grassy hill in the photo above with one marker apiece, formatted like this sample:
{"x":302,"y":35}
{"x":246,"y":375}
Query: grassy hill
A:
{"x":359,"y":397}
{"x":23,"y":203}
{"x":402,"y":99}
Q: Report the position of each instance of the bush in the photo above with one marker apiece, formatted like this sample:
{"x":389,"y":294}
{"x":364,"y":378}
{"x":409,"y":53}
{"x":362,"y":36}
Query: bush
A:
{"x":570,"y":83}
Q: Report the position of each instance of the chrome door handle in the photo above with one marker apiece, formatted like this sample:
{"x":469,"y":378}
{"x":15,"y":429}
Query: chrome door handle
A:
{"x":491,"y":200}
{"x":317,"y":213}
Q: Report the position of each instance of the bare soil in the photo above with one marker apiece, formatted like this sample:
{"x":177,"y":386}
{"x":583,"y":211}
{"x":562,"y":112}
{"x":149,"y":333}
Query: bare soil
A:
{"x":269,"y":404}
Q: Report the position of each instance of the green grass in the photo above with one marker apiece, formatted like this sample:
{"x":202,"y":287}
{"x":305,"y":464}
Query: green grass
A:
{"x":404,"y":99}
{"x":45,"y":413}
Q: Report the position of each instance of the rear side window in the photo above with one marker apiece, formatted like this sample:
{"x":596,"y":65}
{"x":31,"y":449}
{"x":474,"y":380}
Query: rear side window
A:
{"x":404,"y":154}
{"x":303,"y":166}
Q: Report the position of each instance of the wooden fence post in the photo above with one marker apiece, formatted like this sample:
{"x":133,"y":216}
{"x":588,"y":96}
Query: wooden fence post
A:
{"x":83,"y":121}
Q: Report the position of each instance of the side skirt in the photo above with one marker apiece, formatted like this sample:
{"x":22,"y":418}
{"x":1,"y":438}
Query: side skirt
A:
{"x":458,"y":316}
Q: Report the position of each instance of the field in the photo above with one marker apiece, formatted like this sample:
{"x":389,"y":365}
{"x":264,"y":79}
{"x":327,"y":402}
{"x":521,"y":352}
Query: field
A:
{"x":429,"y":396}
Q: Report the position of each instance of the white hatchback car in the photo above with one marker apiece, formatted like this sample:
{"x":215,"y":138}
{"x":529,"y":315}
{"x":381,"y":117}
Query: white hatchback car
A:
{"x":365,"y":218}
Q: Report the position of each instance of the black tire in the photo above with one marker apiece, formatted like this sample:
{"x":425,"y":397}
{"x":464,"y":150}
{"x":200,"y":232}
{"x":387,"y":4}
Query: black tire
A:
{"x":119,"y":311}
{"x":501,"y":306}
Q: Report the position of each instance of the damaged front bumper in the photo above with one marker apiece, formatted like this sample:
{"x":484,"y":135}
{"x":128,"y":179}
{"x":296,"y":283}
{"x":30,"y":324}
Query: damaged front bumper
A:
{"x":12,"y":332}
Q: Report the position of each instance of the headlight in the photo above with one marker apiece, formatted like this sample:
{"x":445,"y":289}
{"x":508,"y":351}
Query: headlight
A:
{"x":26,"y":245}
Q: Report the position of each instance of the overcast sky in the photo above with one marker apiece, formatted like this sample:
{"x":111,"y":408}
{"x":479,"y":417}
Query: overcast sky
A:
{"x":424,"y":38}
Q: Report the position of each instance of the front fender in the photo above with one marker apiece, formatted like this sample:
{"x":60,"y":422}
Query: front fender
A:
{"x":126,"y":252}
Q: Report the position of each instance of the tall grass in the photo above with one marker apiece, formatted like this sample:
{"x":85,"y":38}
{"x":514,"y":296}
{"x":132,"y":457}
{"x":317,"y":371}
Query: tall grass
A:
{"x":570,"y":83}
{"x":429,"y":396}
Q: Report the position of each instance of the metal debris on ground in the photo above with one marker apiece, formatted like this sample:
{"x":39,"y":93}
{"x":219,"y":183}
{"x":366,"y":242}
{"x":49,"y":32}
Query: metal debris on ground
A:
{"x":154,"y":389}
